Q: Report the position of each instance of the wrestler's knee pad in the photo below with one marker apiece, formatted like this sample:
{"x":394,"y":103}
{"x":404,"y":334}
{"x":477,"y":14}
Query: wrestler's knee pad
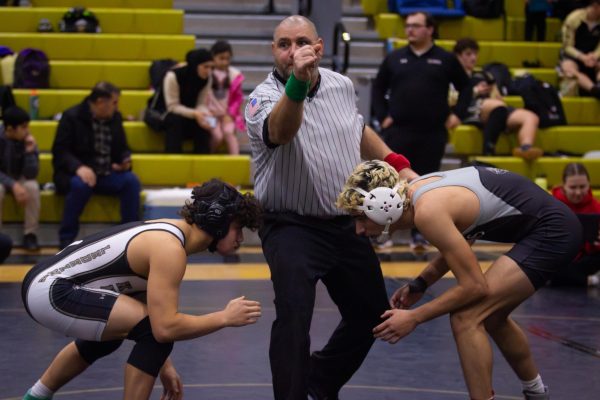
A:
{"x":91,"y":351}
{"x":148,"y":354}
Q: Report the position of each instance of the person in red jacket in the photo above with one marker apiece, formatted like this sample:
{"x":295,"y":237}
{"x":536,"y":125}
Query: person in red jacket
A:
{"x":576,"y":193}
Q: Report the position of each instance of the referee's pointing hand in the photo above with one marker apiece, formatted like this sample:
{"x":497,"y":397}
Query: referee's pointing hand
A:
{"x":306,"y":59}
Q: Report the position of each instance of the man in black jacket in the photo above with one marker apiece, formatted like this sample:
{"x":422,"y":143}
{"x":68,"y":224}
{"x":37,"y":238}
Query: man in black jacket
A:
{"x":91,"y":155}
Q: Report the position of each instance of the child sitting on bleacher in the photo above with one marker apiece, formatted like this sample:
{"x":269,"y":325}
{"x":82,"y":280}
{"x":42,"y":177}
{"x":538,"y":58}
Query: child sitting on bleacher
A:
{"x":225,"y":99}
{"x":489,"y":111}
{"x":576,"y":193}
{"x":19,"y":167}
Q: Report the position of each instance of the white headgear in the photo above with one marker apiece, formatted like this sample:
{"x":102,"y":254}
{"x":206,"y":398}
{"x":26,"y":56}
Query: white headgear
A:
{"x":382,"y":205}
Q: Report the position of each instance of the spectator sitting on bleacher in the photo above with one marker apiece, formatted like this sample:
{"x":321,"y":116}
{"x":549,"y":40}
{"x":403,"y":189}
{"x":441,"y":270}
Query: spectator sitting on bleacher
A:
{"x":225,"y":98}
{"x":576,"y":193}
{"x":186,"y":88}
{"x":580,"y":55}
{"x":19,"y":167}
{"x":5,"y":247}
{"x":489,"y":109}
{"x":90,"y":155}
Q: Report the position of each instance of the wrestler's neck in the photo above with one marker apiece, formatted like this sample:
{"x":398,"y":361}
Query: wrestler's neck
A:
{"x":196,"y":239}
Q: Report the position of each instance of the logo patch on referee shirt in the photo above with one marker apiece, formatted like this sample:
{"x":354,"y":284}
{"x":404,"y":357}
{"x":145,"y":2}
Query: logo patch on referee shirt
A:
{"x":434,"y":61}
{"x":253,"y":106}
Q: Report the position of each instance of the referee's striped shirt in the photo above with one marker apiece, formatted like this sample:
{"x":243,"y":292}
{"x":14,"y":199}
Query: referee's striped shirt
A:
{"x":306,"y":175}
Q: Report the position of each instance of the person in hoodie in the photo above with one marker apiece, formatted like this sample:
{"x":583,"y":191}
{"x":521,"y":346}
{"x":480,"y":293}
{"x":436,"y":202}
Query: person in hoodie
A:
{"x":576,"y":193}
{"x":225,"y":99}
{"x":186,"y":88}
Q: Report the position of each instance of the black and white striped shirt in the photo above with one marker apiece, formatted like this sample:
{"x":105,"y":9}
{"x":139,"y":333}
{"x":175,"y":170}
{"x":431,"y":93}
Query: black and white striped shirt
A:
{"x":306,"y":175}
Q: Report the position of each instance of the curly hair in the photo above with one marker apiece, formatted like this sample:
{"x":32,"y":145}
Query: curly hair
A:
{"x":248,"y":212}
{"x":368,"y":176}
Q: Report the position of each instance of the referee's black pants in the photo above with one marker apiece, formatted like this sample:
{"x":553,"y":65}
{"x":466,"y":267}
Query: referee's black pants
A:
{"x":300,"y":251}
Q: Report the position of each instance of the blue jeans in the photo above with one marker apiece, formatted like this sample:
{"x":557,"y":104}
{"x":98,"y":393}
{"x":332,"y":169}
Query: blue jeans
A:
{"x":126,"y":185}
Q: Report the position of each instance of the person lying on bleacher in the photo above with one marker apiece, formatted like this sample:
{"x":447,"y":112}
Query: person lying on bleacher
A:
{"x":90,"y":155}
{"x":580,"y":55}
{"x":489,"y":111}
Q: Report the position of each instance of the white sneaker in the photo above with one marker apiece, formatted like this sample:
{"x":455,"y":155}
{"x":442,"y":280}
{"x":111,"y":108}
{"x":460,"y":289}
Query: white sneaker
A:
{"x":537,"y":396}
{"x":594,"y":280}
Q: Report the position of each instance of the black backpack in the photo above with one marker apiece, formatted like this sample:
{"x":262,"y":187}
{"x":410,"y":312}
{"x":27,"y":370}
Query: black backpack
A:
{"x":484,"y":8}
{"x":156,"y":109}
{"x":543,"y":99}
{"x":32,"y":70}
{"x":79,"y":19}
{"x":501,"y":74}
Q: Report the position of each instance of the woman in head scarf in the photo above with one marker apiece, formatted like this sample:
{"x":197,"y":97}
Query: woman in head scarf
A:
{"x":185,"y":89}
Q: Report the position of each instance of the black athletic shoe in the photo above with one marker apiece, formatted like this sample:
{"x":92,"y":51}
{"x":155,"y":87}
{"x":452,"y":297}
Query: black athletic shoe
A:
{"x":30,"y":242}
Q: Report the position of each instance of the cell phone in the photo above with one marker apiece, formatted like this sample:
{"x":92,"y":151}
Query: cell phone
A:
{"x":211,"y":121}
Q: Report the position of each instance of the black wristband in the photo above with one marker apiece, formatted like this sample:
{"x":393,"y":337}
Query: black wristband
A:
{"x":417,"y":285}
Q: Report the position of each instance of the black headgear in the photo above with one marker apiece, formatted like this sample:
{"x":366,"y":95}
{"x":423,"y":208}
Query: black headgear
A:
{"x":215,"y":213}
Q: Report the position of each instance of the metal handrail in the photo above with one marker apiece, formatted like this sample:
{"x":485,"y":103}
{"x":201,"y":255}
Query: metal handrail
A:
{"x":340,"y":31}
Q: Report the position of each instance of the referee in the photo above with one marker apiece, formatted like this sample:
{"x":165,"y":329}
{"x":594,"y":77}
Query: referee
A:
{"x":306,"y":137}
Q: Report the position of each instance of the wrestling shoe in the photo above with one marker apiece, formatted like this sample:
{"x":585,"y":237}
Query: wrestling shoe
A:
{"x":537,"y":396}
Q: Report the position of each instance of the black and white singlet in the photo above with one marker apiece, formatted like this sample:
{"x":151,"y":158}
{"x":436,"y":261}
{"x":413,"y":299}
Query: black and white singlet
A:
{"x":512,"y":209}
{"x":74,"y":291}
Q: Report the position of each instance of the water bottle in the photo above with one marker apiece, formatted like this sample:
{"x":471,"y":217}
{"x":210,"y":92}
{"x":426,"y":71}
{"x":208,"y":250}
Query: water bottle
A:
{"x":34,"y":105}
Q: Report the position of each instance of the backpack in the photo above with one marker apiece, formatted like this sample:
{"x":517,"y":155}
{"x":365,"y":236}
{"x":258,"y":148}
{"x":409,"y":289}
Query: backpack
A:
{"x":484,"y":8}
{"x":6,"y":99}
{"x":541,"y":98}
{"x":158,"y":70}
{"x":501,"y":74}
{"x":156,"y":109}
{"x":79,"y":19}
{"x":32,"y":69}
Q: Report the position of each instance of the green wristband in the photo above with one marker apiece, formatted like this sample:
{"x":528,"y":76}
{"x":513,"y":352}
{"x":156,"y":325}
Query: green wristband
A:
{"x":296,"y":90}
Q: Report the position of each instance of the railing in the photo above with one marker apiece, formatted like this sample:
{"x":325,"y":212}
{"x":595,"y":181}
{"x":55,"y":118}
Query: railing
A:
{"x":340,"y":32}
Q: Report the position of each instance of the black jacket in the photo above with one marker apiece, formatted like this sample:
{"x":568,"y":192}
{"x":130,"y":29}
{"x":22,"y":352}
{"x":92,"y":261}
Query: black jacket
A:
{"x":74,"y":143}
{"x":15,"y":162}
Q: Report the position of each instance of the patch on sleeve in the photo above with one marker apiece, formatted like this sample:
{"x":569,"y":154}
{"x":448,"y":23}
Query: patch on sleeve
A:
{"x":253,"y":106}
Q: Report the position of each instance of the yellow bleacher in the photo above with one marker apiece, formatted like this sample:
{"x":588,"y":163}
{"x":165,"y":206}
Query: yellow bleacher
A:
{"x":152,"y":169}
{"x":54,"y":101}
{"x":549,"y":167}
{"x":134,"y":32}
{"x":467,"y":140}
{"x":103,"y":46}
{"x":510,"y":53}
{"x":104,"y":3}
{"x":390,"y":25}
{"x":122,"y":20}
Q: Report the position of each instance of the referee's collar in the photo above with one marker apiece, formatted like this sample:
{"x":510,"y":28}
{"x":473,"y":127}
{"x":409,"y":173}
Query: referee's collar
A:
{"x":312,"y":93}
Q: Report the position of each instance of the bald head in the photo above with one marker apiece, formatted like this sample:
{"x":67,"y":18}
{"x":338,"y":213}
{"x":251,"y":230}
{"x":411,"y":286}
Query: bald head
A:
{"x":296,"y":21}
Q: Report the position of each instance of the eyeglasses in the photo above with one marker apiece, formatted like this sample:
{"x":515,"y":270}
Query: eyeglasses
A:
{"x":413,"y":26}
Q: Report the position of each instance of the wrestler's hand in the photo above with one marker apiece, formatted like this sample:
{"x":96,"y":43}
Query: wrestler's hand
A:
{"x":306,"y":60}
{"x":398,"y":324}
{"x":172,"y":385}
{"x":403,"y":298}
{"x":240,"y":312}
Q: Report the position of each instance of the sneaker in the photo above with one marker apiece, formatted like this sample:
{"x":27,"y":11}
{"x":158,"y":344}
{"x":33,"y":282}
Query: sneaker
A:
{"x":388,"y":244}
{"x":30,"y":242}
{"x":29,"y":396}
{"x":593,"y":280}
{"x":529,"y":153}
{"x":537,"y":396}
